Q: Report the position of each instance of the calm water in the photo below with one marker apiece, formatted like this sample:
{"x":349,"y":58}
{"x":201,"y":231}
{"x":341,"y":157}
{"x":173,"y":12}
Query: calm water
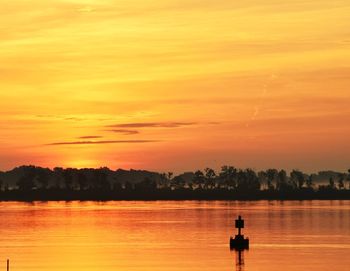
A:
{"x":188,"y":235}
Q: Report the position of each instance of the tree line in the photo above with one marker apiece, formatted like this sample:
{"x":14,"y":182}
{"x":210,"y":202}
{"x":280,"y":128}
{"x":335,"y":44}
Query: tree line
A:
{"x":227,"y":183}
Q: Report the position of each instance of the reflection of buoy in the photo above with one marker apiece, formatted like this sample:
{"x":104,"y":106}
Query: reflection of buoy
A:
{"x":239,"y":242}
{"x":239,"y":259}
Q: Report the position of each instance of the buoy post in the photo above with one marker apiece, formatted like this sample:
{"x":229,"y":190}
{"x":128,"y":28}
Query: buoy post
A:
{"x":239,"y":224}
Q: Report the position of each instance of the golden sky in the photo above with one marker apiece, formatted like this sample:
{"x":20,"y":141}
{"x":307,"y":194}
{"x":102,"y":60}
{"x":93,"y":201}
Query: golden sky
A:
{"x":175,"y":85}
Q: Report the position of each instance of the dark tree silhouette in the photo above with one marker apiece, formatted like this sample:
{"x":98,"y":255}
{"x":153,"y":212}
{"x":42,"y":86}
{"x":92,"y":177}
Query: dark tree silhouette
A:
{"x":271,"y":174}
{"x":68,"y":178}
{"x":177,"y":183}
{"x":297,"y":178}
{"x":198,"y":179}
{"x":210,"y":176}
{"x":146,"y":185}
{"x":43,"y":178}
{"x":281,"y":179}
{"x":26,"y":181}
{"x":341,"y":178}
{"x":163,"y":181}
{"x":117,"y":186}
{"x":331,"y":183}
{"x":309,"y":181}
{"x":228,"y":177}
{"x":82,"y":181}
{"x":170,"y":176}
{"x":128,"y":186}
{"x":58,"y":175}
{"x":263,"y":180}
{"x":248,"y":181}
{"x":100,"y":181}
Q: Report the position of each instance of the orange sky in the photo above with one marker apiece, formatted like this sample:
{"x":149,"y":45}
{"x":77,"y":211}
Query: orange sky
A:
{"x":175,"y":85}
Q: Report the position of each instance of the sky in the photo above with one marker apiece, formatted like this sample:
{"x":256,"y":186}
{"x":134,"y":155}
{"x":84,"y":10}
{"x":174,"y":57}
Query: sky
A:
{"x":175,"y":85}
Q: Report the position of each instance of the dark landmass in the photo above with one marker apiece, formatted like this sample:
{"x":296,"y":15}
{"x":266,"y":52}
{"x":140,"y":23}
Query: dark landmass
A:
{"x":30,"y":183}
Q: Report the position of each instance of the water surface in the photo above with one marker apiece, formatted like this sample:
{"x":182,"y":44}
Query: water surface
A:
{"x":174,"y":235}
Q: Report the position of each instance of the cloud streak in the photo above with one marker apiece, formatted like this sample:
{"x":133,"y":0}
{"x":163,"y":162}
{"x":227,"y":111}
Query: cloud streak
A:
{"x":88,"y":142}
{"x":152,"y":125}
{"x":124,"y":132}
{"x":90,"y":137}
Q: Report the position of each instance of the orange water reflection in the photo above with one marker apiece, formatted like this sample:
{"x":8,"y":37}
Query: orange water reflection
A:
{"x":188,"y":235}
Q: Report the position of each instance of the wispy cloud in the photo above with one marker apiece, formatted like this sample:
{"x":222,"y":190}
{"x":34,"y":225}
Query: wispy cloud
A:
{"x":152,"y":125}
{"x":90,"y":137}
{"x":124,"y":132}
{"x":88,"y":142}
{"x":74,"y":119}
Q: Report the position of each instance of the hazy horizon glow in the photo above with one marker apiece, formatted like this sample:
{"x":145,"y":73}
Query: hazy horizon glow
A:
{"x":175,"y":85}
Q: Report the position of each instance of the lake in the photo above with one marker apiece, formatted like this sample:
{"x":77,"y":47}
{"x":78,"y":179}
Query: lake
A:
{"x":174,"y":235}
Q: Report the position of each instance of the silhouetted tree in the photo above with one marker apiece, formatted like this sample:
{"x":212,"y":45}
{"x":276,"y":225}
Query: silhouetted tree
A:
{"x":117,"y":186}
{"x":271,"y":174}
{"x":309,"y":181}
{"x":58,"y":175}
{"x":82,"y":181}
{"x":165,"y":179}
{"x":248,"y":181}
{"x":228,"y":177}
{"x":282,"y":183}
{"x":100,"y":180}
{"x":198,"y":179}
{"x":210,"y":176}
{"x":43,"y":178}
{"x":263,"y":179}
{"x":177,"y":183}
{"x":26,"y":181}
{"x":146,"y":185}
{"x":67,"y":175}
{"x":297,"y":178}
{"x":341,"y":178}
{"x":331,"y":183}
{"x":128,"y":186}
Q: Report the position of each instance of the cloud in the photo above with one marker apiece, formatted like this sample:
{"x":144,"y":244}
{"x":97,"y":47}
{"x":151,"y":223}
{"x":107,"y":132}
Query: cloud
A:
{"x":59,"y":117}
{"x":124,"y":132}
{"x":152,"y":125}
{"x":90,"y":137}
{"x":88,"y":142}
{"x":74,"y":118}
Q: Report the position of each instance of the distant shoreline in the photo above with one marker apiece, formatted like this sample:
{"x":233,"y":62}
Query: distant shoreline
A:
{"x":31,"y":183}
{"x":159,"y":195}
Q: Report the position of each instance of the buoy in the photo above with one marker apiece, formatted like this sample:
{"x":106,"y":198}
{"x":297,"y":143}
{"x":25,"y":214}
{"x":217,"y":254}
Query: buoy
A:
{"x":239,"y":242}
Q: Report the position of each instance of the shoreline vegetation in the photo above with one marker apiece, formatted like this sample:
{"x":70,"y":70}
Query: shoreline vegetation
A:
{"x":31,"y":183}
